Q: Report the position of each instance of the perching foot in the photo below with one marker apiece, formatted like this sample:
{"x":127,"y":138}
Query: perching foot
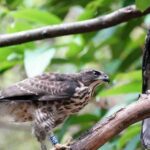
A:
{"x":61,"y":147}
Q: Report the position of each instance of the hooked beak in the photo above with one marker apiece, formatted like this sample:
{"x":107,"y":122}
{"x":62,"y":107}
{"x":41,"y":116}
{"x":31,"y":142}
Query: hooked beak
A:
{"x":104,"y":78}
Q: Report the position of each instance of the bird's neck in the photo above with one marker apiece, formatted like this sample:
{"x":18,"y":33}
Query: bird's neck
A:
{"x":93,"y":86}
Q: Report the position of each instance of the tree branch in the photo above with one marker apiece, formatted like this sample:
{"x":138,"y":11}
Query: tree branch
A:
{"x":145,"y":131}
{"x":114,"y":18}
{"x":103,"y":131}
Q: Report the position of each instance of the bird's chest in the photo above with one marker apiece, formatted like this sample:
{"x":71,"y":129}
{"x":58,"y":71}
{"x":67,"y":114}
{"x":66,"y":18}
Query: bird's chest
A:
{"x":78,"y":101}
{"x":71,"y":107}
{"x":81,"y":100}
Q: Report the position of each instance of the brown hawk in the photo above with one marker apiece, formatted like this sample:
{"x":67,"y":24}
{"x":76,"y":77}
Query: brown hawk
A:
{"x":47,"y":100}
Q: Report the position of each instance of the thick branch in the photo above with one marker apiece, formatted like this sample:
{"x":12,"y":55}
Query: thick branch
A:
{"x":114,"y":18}
{"x":145,"y":131}
{"x":103,"y":131}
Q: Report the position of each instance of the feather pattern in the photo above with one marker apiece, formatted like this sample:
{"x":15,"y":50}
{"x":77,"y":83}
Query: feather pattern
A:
{"x":47,"y":100}
{"x":41,"y":88}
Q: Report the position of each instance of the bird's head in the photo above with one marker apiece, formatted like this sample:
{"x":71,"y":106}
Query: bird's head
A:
{"x":93,"y":77}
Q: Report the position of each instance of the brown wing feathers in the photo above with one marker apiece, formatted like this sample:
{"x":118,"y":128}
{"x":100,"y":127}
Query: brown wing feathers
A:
{"x":42,"y":88}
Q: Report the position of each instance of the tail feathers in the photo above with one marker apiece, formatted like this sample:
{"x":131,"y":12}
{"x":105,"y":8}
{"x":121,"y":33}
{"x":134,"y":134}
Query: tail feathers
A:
{"x":145,"y":133}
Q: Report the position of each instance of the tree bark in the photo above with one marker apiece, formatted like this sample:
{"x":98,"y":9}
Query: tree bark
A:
{"x":109,"y":20}
{"x":145,"y":132}
{"x":105,"y":130}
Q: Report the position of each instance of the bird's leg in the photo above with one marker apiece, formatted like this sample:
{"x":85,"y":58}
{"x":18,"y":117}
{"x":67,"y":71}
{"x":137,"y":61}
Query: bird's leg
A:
{"x":43,"y":123}
{"x":56,"y":144}
{"x":40,"y":135}
{"x":43,"y":146}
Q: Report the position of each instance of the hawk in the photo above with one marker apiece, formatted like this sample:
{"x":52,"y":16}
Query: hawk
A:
{"x":48,"y":99}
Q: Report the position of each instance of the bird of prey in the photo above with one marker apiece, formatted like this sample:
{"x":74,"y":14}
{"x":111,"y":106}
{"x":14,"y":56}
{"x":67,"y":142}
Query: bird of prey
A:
{"x":48,"y":99}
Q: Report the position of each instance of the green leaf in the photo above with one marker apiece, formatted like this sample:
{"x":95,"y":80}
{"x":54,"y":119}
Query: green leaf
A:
{"x":10,"y":56}
{"x":132,"y":87}
{"x":75,"y":46}
{"x":5,"y":53}
{"x":86,"y":15}
{"x":107,"y":146}
{"x":85,"y":118}
{"x":127,"y":2}
{"x":127,"y":83}
{"x":13,"y":3}
{"x":7,"y":65}
{"x":14,"y":56}
{"x":82,"y":120}
{"x":132,"y":145}
{"x":19,"y":26}
{"x":128,"y":135}
{"x":142,"y":4}
{"x":36,"y":16}
{"x":36,"y":61}
{"x":133,"y":75}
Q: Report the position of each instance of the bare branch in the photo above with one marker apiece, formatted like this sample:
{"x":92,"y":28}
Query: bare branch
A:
{"x":114,"y":18}
{"x":145,"y":131}
{"x":103,"y":131}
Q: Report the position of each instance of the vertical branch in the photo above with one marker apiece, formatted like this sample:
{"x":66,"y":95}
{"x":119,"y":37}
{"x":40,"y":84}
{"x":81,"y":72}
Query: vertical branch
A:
{"x":146,"y":65}
{"x":145,"y":133}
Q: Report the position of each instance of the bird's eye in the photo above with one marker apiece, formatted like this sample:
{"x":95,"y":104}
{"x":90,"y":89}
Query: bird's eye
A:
{"x":96,"y":73}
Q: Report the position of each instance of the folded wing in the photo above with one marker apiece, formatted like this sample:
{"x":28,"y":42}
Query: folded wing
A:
{"x":42,"y":90}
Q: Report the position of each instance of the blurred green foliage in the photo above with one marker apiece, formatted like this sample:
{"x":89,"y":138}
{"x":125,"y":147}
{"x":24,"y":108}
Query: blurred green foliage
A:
{"x":142,"y":6}
{"x":116,"y":50}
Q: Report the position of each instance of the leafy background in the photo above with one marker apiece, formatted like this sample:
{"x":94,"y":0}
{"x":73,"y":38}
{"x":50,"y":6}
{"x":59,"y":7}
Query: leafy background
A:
{"x":116,"y":50}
